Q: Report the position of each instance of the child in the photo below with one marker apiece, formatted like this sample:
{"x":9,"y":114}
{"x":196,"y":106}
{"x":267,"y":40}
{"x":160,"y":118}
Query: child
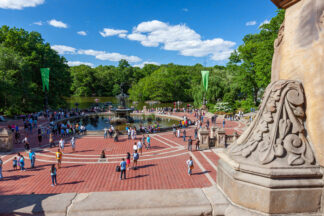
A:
{"x":53,"y":175}
{"x":14,"y":163}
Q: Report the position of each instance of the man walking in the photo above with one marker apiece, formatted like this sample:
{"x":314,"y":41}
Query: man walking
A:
{"x":196,"y":133}
{"x":184,"y":135}
{"x":62,"y":143}
{"x":59,"y":158}
{"x":148,"y":140}
{"x":32,"y":158}
{"x":190,"y":144}
{"x":122,"y":169}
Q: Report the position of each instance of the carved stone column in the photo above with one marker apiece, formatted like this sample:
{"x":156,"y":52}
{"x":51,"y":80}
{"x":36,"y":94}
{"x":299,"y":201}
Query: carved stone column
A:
{"x":213,"y":132}
{"x":272,"y":168}
{"x":204,"y":138}
{"x":221,"y":138}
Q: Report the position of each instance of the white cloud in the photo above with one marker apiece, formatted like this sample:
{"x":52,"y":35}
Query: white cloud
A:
{"x":77,"y":63}
{"x":180,"y":38}
{"x":251,"y":23}
{"x":145,"y":63}
{"x":61,"y":49}
{"x":102,"y":55}
{"x":83,"y":33}
{"x":185,"y":9}
{"x":19,"y":4}
{"x":40,"y":23}
{"x":112,"y":32}
{"x":57,"y":24}
{"x":264,"y":22}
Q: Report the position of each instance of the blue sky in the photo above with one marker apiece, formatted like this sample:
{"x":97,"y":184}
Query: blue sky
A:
{"x":101,"y":32}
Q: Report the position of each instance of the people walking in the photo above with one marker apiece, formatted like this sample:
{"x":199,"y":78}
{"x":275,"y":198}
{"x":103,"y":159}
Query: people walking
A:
{"x":22,"y":163}
{"x":184,"y":133}
{"x":73,"y":144}
{"x":122,"y":169}
{"x":128,"y":160}
{"x":190,"y":165}
{"x":139,"y":147}
{"x":190,"y":144}
{"x":135,"y":147}
{"x":40,"y":137}
{"x":148,"y":140}
{"x":62,"y":143}
{"x":135,"y":158}
{"x":197,"y":145}
{"x":59,"y":158}
{"x":196,"y":133}
{"x":53,"y":175}
{"x":32,"y":158}
{"x":14,"y":163}
{"x":178,"y":133}
{"x":105,"y":133}
{"x":51,"y":140}
{"x":143,"y":141}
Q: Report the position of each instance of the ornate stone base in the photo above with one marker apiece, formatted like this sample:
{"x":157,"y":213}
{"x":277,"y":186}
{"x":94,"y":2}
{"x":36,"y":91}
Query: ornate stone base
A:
{"x":282,"y":191}
{"x":271,"y":168}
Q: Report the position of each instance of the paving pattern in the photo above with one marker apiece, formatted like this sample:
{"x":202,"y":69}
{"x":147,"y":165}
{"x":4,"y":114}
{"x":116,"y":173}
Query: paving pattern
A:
{"x":161,"y":167}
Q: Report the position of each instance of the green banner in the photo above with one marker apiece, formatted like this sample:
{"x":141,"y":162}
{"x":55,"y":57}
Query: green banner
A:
{"x":205,"y":76}
{"x":45,"y":78}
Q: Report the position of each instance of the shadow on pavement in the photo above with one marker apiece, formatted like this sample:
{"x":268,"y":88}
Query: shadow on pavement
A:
{"x":201,"y":173}
{"x":8,"y":178}
{"x":145,"y":166}
{"x":138,"y":176}
{"x":9,"y":204}
{"x":70,"y":183}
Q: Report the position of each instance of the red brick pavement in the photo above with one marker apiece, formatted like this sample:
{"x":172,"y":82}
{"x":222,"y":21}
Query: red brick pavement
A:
{"x":162,"y":167}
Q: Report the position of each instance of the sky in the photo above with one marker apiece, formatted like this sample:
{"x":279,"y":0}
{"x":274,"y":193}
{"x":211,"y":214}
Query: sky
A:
{"x":101,"y":32}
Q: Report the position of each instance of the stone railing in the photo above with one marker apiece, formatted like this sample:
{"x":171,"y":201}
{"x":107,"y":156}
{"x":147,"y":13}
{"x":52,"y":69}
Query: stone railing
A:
{"x":216,"y":137}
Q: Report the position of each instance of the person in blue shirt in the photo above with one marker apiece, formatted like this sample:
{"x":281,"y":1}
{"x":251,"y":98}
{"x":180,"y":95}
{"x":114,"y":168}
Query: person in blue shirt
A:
{"x":148,"y":140}
{"x":32,"y":158}
{"x":123,"y":169}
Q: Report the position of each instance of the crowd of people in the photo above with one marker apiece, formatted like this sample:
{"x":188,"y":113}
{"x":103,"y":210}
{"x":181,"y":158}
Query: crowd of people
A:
{"x":68,"y":130}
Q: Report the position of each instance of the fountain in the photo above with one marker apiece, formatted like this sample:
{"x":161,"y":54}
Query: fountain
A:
{"x":121,"y":112}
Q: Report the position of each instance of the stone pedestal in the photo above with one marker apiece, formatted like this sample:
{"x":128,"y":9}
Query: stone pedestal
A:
{"x":203,"y":134}
{"x":213,"y":132}
{"x":6,"y":140}
{"x":287,"y":190}
{"x":271,"y":168}
{"x":220,"y":138}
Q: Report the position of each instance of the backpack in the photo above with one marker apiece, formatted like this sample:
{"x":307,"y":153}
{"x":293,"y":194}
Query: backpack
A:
{"x":136,"y":156}
{"x":117,"y":168}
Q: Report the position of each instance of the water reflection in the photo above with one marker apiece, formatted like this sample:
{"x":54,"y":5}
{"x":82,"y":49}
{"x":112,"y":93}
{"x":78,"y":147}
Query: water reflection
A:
{"x":93,"y":123}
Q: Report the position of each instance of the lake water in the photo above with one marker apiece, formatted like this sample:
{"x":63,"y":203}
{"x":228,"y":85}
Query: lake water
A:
{"x":86,"y":102}
{"x":95,"y":123}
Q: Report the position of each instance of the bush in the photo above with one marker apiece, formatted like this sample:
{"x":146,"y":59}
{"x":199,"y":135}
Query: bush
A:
{"x":245,"y":105}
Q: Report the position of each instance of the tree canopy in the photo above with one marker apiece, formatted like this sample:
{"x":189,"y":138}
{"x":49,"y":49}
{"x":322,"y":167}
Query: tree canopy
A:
{"x":240,"y":84}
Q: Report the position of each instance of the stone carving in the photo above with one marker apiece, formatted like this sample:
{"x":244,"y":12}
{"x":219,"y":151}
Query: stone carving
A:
{"x":322,"y":20}
{"x":278,"y":130}
{"x":280,"y":35}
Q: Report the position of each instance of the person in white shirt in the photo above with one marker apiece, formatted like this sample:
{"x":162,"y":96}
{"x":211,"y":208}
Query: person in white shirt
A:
{"x":140,"y":147}
{"x":135,"y":147}
{"x":62,"y":143}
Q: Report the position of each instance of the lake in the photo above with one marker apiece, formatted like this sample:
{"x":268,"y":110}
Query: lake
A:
{"x":86,"y":102}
